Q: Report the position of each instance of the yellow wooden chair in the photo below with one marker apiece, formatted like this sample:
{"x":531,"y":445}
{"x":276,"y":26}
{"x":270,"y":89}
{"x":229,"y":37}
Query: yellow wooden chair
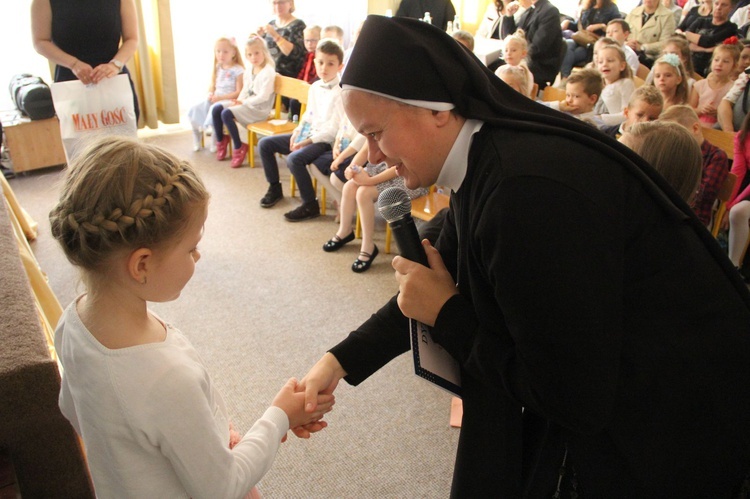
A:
{"x":642,"y":72}
{"x":534,"y":91}
{"x":552,"y":94}
{"x":638,"y":82}
{"x":284,"y":86}
{"x":723,"y":197}
{"x":721,"y":139}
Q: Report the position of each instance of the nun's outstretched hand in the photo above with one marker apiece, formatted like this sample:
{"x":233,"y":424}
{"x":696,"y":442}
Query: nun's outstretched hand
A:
{"x":423,"y":291}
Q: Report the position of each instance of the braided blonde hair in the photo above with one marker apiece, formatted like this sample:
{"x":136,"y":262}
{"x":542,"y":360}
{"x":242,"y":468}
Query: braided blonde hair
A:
{"x":120,"y":194}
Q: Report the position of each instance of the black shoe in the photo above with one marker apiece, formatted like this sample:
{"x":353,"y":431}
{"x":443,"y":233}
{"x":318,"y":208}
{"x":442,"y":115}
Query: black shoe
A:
{"x":273,"y":196}
{"x":361,"y":265}
{"x":304,"y":211}
{"x":336,"y":242}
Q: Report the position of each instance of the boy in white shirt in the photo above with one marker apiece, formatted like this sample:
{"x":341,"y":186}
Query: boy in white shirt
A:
{"x":619,"y":30}
{"x":314,"y":135}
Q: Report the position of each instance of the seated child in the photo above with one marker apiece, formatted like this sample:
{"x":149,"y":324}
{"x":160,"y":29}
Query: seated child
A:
{"x":130,"y":217}
{"x":334,"y":32}
{"x":645,"y":105}
{"x":361,"y":192}
{"x":679,"y":46}
{"x":619,"y":31}
{"x":464,"y":38}
{"x":671,"y":150}
{"x":715,"y":161}
{"x":582,"y":91}
{"x":226,"y":85}
{"x":707,"y":93}
{"x":314,"y":135}
{"x":618,"y":84}
{"x":253,"y":104}
{"x":515,"y":49}
{"x":516,"y":77}
{"x":312,"y":37}
{"x":670,"y":79}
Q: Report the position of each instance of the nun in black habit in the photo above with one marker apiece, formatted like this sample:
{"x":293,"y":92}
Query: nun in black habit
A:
{"x":596,"y":322}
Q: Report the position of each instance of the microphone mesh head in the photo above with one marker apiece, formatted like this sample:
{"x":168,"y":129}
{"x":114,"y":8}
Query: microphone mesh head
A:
{"x":394,"y":204}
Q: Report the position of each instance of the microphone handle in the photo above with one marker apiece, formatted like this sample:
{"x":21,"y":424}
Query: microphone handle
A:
{"x":407,"y":238}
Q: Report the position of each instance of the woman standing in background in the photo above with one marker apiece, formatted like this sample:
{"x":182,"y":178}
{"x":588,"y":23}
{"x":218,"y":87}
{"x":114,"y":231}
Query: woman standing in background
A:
{"x":285,"y":39}
{"x":88,"y":40}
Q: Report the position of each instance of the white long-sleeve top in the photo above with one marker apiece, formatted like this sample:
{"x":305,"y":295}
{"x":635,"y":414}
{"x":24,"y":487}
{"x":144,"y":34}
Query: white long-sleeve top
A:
{"x":152,"y":422}
{"x":258,"y":90}
{"x":323,"y":108}
{"x":615,"y":97}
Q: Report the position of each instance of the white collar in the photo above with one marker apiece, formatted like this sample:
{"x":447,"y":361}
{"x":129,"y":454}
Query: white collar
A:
{"x":454,"y":169}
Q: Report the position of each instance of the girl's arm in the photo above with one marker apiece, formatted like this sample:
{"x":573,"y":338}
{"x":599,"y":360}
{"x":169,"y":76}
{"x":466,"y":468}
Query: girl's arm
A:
{"x":362,"y":178}
{"x":693,"y":100}
{"x":41,"y":33}
{"x":739,"y":168}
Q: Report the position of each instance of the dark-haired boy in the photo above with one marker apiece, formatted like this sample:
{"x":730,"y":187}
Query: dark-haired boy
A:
{"x":314,"y":135}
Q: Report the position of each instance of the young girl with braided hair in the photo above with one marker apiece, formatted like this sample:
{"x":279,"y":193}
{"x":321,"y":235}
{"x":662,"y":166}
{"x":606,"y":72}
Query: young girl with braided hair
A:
{"x":130,"y":216}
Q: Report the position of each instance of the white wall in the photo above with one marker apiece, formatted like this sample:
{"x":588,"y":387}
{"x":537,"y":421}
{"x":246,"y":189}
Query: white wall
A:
{"x":194,"y":47}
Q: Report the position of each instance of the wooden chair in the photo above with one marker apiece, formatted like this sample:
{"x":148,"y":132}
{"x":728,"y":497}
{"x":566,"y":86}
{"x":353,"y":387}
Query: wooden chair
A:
{"x":642,"y":72}
{"x":723,"y":197}
{"x":721,"y":139}
{"x":552,"y":94}
{"x":284,"y":86}
{"x":424,"y":208}
{"x":638,"y":82}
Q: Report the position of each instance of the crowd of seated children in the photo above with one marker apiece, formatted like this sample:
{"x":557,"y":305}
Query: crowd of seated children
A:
{"x":515,"y":50}
{"x":715,"y":164}
{"x":645,"y":105}
{"x":313,"y":136}
{"x":707,"y":93}
{"x":253,"y":104}
{"x":670,"y":80}
{"x":365,"y":183}
{"x":618,"y":84}
{"x":619,"y":30}
{"x":226,"y":84}
{"x":582,"y":91}
{"x":671,"y":150}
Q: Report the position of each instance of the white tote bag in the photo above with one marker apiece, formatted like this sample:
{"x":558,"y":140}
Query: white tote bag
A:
{"x":89,"y":111}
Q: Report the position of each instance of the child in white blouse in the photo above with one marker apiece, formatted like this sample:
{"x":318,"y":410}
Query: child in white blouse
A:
{"x":618,"y":84}
{"x":130,"y":217}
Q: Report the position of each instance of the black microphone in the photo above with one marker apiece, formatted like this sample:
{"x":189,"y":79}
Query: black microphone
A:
{"x":395,"y":206}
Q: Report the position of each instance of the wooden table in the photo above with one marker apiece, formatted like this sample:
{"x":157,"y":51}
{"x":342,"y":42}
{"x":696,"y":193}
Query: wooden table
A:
{"x":34,"y":144}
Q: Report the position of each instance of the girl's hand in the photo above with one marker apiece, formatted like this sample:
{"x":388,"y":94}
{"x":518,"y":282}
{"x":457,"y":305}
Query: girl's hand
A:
{"x":104,"y":71}
{"x":349,"y":173}
{"x":361,"y":177}
{"x":82,"y":71}
{"x":261,"y":31}
{"x":293,"y":404}
{"x":271,"y":31}
{"x":335,"y":165}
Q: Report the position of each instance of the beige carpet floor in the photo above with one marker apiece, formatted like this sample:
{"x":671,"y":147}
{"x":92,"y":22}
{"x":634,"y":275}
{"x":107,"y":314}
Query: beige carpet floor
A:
{"x":265,"y":303}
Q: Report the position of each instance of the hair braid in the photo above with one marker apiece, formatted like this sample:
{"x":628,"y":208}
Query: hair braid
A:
{"x":120,"y":193}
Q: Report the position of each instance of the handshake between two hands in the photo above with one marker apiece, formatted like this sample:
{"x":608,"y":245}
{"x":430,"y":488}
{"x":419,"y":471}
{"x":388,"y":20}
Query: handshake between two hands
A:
{"x":302,"y":422}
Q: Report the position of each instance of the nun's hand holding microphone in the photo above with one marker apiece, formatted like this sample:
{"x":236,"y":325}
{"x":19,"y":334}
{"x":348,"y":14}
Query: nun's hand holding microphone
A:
{"x":423,"y":291}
